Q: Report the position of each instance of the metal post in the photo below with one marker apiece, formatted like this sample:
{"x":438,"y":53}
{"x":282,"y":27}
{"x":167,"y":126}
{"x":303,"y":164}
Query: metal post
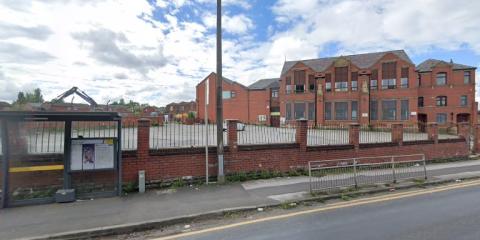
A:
{"x":66,"y":153}
{"x":393,"y":170}
{"x":310,"y":176}
{"x":119,"y":157}
{"x":5,"y":164}
{"x":355,"y":172}
{"x":207,"y":96}
{"x":220,"y":176}
{"x":424,"y":166}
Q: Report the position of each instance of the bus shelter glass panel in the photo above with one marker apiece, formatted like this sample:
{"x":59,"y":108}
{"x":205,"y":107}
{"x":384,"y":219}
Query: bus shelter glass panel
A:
{"x":36,"y":160}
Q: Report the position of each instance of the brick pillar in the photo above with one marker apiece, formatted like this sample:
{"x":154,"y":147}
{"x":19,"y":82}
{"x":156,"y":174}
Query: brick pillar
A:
{"x":397,"y":133}
{"x":432,"y":131}
{"x":143,"y":138}
{"x":301,"y":134}
{"x":464,"y":130}
{"x":476,"y":145}
{"x":232,"y":134}
{"x":354,"y":135}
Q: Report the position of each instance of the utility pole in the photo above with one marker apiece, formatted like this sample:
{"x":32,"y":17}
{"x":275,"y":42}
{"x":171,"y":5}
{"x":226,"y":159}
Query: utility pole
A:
{"x":220,"y":176}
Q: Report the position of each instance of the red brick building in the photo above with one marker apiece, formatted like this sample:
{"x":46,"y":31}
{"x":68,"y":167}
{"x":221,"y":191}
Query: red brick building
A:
{"x":375,"y":88}
{"x":180,"y":110}
{"x":446,"y":92}
{"x":253,"y":104}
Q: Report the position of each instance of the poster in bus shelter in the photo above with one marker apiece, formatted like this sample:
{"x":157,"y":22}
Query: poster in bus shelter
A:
{"x":92,"y":154}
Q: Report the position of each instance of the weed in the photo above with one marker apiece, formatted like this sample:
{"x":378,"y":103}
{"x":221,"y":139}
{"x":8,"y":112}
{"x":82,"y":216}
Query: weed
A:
{"x":129,"y":187}
{"x":178,"y":183}
{"x":288,"y":205}
{"x":346,"y":197}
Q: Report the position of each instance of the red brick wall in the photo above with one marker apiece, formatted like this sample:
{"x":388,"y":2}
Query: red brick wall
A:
{"x":258,"y":104}
{"x":234,"y":108}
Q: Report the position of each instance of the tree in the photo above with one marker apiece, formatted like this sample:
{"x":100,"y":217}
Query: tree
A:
{"x":21,"y":99}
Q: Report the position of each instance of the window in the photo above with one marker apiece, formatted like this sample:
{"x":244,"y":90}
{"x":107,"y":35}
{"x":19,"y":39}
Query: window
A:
{"x":354,"y":81}
{"x":233,"y":94}
{"x":463,"y":101}
{"x":288,"y":85}
{"x":311,"y":111}
{"x":373,"y":80}
{"x":226,"y":94}
{"x":441,"y":118}
{"x":404,"y":78}
{"x":328,"y":82}
{"x":299,"y":80}
{"x":419,"y":79}
{"x":299,"y":110}
{"x":441,"y":78}
{"x":354,"y":110}
{"x":299,"y":88}
{"x":274,"y":93}
{"x":441,"y":101}
{"x":373,"y":84}
{"x":328,"y":86}
{"x":288,"y":107}
{"x":404,"y":83}
{"x":373,"y":110}
{"x":341,"y":86}
{"x":420,"y":101}
{"x":389,"y":83}
{"x":466,"y":77}
{"x":341,"y":79}
{"x":389,"y":70}
{"x":389,"y":110}
{"x":404,"y":111}
{"x":341,"y":110}
{"x":328,"y":111}
{"x":312,"y":83}
{"x":289,"y":89}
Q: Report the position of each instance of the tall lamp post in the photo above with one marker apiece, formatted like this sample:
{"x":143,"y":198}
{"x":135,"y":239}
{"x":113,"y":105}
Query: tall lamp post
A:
{"x":220,"y":176}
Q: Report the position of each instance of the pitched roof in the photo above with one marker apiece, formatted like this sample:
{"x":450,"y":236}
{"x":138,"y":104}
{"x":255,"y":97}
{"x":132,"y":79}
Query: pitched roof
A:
{"x":428,"y":65}
{"x":227,"y":80}
{"x":364,"y":60}
{"x":265,"y":83}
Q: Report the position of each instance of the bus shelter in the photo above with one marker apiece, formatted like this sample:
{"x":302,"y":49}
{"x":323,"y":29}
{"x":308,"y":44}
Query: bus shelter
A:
{"x":43,"y":154}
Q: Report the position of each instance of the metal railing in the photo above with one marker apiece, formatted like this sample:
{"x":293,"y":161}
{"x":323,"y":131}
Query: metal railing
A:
{"x":39,"y":137}
{"x":261,"y":134}
{"x":129,"y":135}
{"x":178,"y":135}
{"x":332,"y":174}
{"x":375,"y":134}
{"x":415,"y":132}
{"x":327,"y":135}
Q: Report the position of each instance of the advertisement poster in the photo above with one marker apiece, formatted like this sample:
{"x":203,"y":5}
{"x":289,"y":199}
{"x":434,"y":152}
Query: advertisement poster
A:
{"x":92,"y":154}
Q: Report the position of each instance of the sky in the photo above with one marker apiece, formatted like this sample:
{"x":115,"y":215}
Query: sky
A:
{"x":157,"y":51}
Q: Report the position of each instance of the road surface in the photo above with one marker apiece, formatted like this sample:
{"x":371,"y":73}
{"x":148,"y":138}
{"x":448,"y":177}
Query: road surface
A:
{"x":450,"y":213}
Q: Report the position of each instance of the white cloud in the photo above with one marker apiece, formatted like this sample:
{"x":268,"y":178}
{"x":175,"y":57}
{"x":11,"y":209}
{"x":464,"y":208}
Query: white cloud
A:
{"x":237,"y":24}
{"x":113,"y":49}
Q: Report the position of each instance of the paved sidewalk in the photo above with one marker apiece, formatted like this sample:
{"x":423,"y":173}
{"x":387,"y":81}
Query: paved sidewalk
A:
{"x":155,"y":205}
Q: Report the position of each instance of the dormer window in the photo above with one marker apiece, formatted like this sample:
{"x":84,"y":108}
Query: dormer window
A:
{"x":441,"y":78}
{"x":299,"y":80}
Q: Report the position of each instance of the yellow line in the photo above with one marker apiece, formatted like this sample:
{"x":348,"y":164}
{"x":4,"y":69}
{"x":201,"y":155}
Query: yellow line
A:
{"x":330,"y":207}
{"x":35,"y":168}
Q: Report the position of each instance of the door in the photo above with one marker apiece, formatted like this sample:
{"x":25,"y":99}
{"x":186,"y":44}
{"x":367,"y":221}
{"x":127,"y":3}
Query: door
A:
{"x":422,"y":122}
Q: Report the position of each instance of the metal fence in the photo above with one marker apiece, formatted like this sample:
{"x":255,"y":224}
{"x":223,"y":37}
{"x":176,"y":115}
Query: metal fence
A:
{"x":327,"y":135}
{"x":129,"y":135}
{"x":332,"y":174}
{"x":375,"y":134}
{"x":415,"y":132}
{"x":261,"y":134}
{"x":178,"y":135}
